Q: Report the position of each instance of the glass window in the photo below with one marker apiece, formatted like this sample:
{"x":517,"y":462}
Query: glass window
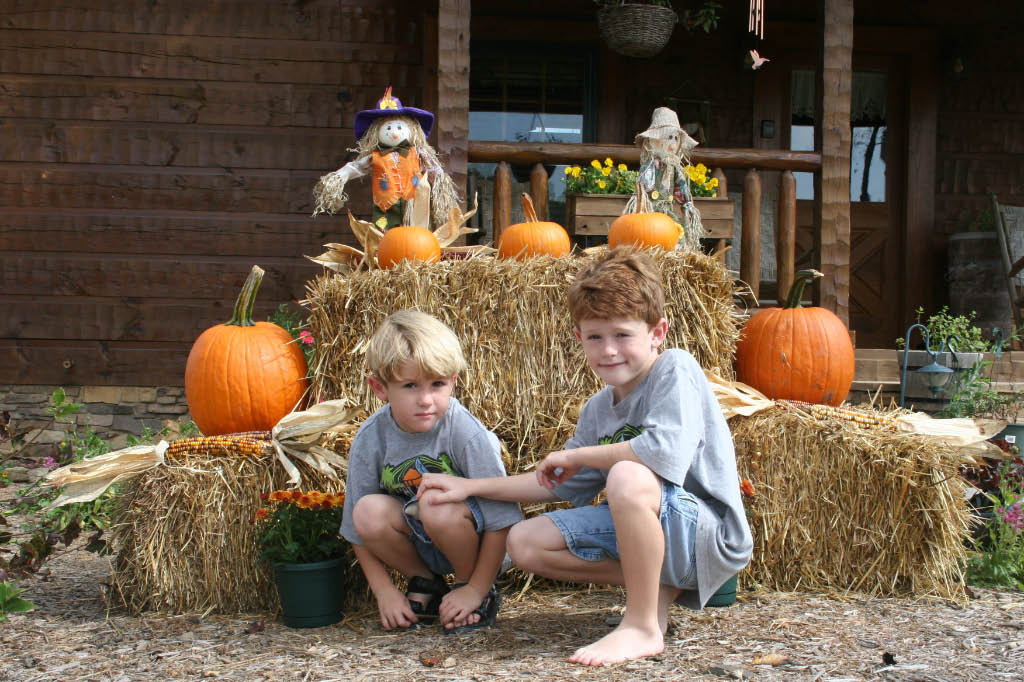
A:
{"x":527,"y":93}
{"x":868,"y":132}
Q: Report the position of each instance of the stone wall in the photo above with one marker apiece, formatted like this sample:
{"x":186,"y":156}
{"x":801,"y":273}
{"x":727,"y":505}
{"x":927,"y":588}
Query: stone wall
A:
{"x":112,"y":412}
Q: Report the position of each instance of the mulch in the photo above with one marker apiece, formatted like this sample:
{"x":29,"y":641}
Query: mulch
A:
{"x":74,"y":634}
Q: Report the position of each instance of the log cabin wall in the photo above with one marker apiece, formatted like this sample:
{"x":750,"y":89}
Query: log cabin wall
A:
{"x":151,"y":152}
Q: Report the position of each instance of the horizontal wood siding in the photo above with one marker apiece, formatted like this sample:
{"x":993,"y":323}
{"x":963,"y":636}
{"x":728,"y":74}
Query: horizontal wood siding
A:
{"x":150,"y":153}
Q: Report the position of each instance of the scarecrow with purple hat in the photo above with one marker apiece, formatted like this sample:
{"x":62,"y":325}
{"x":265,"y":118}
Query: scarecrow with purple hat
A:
{"x":391,"y":144}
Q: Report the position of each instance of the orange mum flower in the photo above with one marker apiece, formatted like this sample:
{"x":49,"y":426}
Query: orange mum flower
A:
{"x":279,"y":496}
{"x":746,"y":487}
{"x":261,"y":513}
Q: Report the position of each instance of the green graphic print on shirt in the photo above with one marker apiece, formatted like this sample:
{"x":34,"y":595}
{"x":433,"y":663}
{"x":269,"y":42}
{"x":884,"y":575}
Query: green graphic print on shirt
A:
{"x":627,"y":432}
{"x":403,"y":479}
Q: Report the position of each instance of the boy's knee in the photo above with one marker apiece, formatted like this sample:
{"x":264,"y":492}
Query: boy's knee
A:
{"x":443,"y":515}
{"x":632,"y":483}
{"x":522,"y":547}
{"x":371,"y":516}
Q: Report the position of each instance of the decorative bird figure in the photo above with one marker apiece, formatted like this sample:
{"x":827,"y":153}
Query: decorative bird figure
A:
{"x":755,"y":60}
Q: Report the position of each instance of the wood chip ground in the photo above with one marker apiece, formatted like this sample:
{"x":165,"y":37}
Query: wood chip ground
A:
{"x":73,"y":635}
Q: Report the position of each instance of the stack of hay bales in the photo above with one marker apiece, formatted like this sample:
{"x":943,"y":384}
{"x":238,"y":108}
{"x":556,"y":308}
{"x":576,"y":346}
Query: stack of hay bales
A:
{"x":527,"y":377}
{"x":185,"y":536}
{"x":842,"y":506}
{"x":838,"y":506}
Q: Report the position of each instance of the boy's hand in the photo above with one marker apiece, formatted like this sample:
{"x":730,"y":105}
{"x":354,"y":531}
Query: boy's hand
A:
{"x":449,"y":489}
{"x":458,"y":605}
{"x":395,"y":611}
{"x":556,"y":468}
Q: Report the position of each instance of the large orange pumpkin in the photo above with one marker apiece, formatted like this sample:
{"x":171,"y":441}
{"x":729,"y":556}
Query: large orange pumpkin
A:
{"x":533,"y":237}
{"x":407,"y":242}
{"x":244,"y":375}
{"x":645,"y":230}
{"x":796,"y":353}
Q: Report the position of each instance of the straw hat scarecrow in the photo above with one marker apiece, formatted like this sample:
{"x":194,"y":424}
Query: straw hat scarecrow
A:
{"x":664,"y":150}
{"x":392,"y":146}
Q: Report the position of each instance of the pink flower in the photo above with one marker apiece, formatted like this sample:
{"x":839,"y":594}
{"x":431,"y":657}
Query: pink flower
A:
{"x":50,"y":463}
{"x":1013,"y":517}
{"x":305,"y":337}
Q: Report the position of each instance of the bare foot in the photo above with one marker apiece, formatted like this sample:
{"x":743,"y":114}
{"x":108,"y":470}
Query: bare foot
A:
{"x":621,"y":644}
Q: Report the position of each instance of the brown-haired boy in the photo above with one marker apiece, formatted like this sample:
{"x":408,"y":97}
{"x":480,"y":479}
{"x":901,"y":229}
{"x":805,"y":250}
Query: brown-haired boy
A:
{"x":654,"y":439}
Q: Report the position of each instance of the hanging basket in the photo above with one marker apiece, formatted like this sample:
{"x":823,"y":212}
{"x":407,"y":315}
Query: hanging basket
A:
{"x":636,"y":30}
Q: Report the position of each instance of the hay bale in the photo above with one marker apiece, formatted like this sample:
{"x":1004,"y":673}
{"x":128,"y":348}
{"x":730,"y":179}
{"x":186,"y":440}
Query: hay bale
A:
{"x":841,"y":506}
{"x":185,"y":541}
{"x":527,"y":376}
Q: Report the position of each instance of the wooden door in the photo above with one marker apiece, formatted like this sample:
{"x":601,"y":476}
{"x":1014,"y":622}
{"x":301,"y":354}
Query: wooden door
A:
{"x":877,"y":187}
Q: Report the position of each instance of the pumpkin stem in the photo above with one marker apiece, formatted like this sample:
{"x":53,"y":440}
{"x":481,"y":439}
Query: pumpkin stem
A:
{"x":528,"y":209}
{"x":796,"y":292}
{"x":242,"y":316}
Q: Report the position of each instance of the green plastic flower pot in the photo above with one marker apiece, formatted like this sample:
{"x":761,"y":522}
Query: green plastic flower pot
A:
{"x":725,"y":595}
{"x":311,"y":594}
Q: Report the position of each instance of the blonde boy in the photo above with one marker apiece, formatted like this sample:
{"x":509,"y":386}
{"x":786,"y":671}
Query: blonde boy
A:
{"x":413,"y":361}
{"x":655,"y":441}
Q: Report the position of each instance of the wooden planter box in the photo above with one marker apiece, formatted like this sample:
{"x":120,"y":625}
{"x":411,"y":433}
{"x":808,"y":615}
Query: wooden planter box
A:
{"x":592,"y":214}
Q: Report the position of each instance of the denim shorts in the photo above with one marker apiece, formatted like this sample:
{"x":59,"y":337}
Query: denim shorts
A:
{"x":425,"y":547}
{"x":589,"y":534}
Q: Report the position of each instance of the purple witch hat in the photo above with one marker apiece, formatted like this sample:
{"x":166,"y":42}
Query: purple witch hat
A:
{"x":392,"y":106}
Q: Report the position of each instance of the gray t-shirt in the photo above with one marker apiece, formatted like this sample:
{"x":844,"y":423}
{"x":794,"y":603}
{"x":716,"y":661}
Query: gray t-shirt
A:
{"x":385,"y":459}
{"x":675,"y":426}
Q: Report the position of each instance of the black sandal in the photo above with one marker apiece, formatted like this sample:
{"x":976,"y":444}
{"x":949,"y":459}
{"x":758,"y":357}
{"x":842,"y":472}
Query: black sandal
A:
{"x":488,"y":612}
{"x":436,"y":588}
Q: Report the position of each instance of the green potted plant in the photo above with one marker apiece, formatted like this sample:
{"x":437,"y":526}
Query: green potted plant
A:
{"x":954,"y":342}
{"x":298,"y":536}
{"x":595,"y":195}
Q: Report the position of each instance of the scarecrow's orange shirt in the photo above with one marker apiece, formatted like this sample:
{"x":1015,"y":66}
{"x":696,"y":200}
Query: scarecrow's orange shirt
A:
{"x":394,"y":177}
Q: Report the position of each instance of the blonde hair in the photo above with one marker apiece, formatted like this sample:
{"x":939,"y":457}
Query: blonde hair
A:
{"x":620,"y":283}
{"x":412,"y":335}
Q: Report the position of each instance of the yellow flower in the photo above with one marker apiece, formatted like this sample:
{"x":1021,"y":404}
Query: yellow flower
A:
{"x":568,"y":170}
{"x":622,"y":167}
{"x":701,"y":168}
{"x":608,"y":161}
{"x":602,"y":184}
{"x":3,"y":475}
{"x":654,"y":194}
{"x":606,"y":171}
{"x":575,"y":171}
{"x":712,"y":183}
{"x":596,"y":164}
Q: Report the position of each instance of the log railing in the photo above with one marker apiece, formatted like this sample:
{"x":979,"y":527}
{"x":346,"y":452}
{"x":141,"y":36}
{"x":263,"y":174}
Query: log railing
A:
{"x":753,"y":160}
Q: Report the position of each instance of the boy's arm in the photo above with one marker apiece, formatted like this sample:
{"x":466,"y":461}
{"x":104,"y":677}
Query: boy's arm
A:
{"x":391,"y":603}
{"x":561,"y":465}
{"x":522,"y":488}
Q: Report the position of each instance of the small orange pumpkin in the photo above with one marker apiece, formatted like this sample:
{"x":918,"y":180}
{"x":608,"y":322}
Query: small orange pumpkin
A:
{"x":645,"y":230}
{"x":796,"y":353}
{"x":533,"y":237}
{"x":408,"y":242}
{"x":244,"y":375}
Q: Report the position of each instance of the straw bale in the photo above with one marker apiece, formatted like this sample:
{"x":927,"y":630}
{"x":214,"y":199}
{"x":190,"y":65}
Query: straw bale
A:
{"x":527,"y":377}
{"x":842,"y":506}
{"x":185,"y":541}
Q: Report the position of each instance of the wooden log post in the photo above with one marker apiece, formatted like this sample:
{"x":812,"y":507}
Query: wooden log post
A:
{"x":833,"y":137}
{"x":785,"y":235}
{"x":750,"y":240}
{"x":452,"y":121}
{"x":502,"y":204}
{"x":723,"y":193}
{"x":539,"y":190}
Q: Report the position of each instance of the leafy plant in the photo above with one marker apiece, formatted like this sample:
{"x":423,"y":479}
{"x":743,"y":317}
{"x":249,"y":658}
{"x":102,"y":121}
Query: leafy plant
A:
{"x":944,"y":325}
{"x":596,"y":178}
{"x":300,"y":527}
{"x":998,"y":559}
{"x":11,"y":602}
{"x":705,"y":18}
{"x":700,"y":184}
{"x":289,"y":320}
